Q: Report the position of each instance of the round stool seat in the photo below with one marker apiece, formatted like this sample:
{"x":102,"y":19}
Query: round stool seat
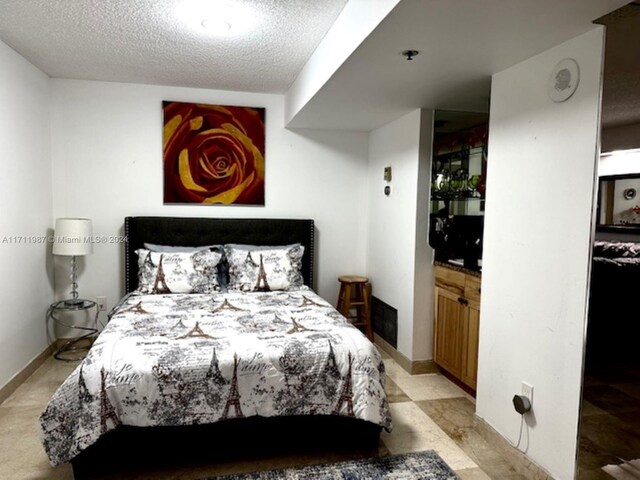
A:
{"x":352,"y":279}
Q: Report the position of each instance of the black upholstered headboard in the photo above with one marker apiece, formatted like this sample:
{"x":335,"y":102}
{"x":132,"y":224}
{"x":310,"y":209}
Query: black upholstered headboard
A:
{"x":193,"y":232}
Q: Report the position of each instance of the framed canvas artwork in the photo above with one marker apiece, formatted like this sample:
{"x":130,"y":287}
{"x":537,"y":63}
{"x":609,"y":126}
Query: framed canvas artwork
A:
{"x":213,"y":154}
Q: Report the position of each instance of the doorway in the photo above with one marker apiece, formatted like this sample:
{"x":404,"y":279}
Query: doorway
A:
{"x":609,"y":442}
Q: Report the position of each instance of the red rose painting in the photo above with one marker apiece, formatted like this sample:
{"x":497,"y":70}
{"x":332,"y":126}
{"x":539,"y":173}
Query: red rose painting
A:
{"x":213,"y":154}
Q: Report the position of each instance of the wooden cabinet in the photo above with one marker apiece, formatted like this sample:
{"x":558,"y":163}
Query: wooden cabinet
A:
{"x":457,"y":323}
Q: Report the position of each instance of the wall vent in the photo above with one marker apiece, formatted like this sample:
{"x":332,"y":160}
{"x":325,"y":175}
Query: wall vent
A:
{"x":385,"y":321}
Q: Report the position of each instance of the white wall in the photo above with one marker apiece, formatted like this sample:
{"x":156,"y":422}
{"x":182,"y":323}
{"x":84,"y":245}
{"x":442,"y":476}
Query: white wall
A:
{"x":25,"y":196}
{"x":396,"y":239}
{"x":621,"y":163}
{"x":107,"y":160}
{"x":537,"y":242}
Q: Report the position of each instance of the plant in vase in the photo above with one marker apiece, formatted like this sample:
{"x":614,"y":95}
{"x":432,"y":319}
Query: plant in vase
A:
{"x":474,"y":181}
{"x":459,"y":183}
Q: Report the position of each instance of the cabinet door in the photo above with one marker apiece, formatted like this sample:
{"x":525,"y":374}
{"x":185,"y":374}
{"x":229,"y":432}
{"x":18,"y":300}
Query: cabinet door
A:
{"x":449,"y":323}
{"x":471,"y":333}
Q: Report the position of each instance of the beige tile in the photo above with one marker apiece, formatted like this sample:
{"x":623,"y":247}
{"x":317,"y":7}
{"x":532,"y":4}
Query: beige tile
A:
{"x":383,"y":354}
{"x":34,"y":394}
{"x":21,"y":453}
{"x":20,"y":447}
{"x":455,"y":457}
{"x":395,"y":371}
{"x":428,"y":387}
{"x":449,"y":413}
{"x":414,"y":431}
{"x":414,"y":441}
{"x":472,"y":474}
{"x":63,"y":472}
{"x":408,"y":417}
{"x":39,"y":387}
{"x":53,"y":369}
{"x":394,"y":393}
{"x":455,"y":417}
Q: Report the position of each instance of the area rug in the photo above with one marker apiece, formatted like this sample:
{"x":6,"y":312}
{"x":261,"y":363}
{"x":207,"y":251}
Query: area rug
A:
{"x":411,"y":466}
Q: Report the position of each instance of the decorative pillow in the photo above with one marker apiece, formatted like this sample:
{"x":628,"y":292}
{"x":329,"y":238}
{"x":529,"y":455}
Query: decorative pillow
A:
{"x":222,"y":268}
{"x":264,"y":269}
{"x":177,"y":272}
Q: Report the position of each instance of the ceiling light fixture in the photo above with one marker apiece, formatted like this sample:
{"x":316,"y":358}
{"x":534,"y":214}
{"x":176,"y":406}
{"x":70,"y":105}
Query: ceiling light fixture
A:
{"x":215,"y":25}
{"x":216,"y":17}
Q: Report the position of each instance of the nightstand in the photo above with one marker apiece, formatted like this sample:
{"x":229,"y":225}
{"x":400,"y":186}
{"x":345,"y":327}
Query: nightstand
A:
{"x":69,"y":350}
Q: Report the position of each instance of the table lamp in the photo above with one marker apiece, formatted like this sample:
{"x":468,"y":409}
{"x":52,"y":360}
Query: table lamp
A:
{"x":73,"y":237}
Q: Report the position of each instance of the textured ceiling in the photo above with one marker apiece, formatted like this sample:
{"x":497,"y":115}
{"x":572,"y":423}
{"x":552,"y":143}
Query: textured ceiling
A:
{"x":621,"y":90}
{"x":148,"y":41}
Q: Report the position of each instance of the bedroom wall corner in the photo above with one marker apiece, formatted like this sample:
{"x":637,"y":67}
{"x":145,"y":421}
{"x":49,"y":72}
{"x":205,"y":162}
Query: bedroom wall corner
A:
{"x":397,"y":263}
{"x":537,"y":243}
{"x":424,"y":267}
{"x":26,"y":213}
{"x":107,"y":157}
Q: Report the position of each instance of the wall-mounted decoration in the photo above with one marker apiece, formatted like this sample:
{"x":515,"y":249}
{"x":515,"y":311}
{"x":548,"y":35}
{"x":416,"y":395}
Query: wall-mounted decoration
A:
{"x":564,"y":80}
{"x":213,"y":154}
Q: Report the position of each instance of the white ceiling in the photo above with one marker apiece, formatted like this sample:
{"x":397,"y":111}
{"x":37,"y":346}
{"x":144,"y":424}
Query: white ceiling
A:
{"x":621,"y":88}
{"x":147,"y":41}
{"x":461,"y":43}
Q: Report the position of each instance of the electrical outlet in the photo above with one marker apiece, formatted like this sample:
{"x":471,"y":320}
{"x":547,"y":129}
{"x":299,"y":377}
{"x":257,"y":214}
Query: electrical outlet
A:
{"x":102,"y":303}
{"x":527,"y":391}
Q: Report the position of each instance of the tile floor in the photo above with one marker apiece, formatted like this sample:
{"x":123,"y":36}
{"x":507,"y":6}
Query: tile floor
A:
{"x":610,"y":420}
{"x":429,"y":412}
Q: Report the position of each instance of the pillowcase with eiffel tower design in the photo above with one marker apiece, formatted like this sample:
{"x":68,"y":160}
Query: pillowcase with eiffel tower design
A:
{"x":178,"y":272}
{"x":264,"y":268}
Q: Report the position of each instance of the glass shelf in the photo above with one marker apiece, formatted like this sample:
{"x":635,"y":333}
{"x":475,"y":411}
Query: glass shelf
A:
{"x":457,"y":199}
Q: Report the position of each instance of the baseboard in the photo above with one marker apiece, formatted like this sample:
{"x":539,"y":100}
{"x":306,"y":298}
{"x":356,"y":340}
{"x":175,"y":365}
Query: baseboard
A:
{"x":18,"y":379}
{"x":414,"y":367}
{"x":518,"y":460}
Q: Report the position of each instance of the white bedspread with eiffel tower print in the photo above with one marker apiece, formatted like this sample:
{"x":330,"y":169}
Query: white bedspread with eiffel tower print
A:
{"x":186,"y":359}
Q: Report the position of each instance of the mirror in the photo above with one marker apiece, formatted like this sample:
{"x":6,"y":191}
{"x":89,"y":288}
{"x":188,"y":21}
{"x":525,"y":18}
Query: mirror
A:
{"x":458,"y":172}
{"x":459,"y":163}
{"x":619,"y":203}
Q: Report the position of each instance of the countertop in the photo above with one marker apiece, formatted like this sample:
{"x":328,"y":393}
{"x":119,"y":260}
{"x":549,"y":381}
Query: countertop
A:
{"x":457,"y":268}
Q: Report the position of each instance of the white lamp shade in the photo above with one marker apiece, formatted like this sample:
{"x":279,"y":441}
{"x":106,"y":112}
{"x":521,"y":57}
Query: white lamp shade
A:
{"x":73,"y":236}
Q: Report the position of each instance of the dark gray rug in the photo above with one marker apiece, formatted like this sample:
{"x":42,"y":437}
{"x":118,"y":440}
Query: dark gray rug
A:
{"x":411,"y":466}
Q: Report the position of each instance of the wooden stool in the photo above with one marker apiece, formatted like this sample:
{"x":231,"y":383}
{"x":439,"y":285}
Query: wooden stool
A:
{"x":353,"y":295}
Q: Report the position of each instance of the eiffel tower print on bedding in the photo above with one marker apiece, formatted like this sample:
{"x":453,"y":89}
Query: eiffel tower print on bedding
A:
{"x":182,"y":359}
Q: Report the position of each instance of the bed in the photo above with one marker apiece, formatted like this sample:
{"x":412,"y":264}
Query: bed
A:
{"x":222,"y":371}
{"x":612,"y":331}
